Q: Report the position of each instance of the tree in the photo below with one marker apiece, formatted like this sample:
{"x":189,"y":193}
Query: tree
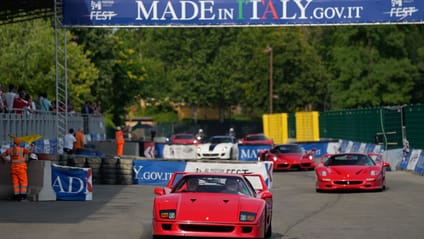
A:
{"x":97,"y":44}
{"x":27,"y":53}
{"x":370,"y":67}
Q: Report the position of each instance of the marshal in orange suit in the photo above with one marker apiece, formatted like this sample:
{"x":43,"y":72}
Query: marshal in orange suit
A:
{"x":119,"y":139}
{"x":18,"y":169}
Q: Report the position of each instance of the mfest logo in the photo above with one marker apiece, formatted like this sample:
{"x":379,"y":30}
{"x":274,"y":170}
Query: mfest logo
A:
{"x":98,"y":10}
{"x":401,"y":9}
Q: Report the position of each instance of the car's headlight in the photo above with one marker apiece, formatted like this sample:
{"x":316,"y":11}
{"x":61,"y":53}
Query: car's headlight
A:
{"x":167,"y":214}
{"x":323,"y":173}
{"x":274,"y":158}
{"x":247,"y":216}
{"x":374,"y":172}
{"x":310,"y":157}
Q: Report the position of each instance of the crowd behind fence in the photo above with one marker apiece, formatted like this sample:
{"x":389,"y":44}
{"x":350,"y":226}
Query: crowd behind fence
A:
{"x":45,"y":124}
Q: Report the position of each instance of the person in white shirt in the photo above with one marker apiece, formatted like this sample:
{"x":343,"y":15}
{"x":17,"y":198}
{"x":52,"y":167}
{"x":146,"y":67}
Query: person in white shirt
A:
{"x":68,"y":142}
{"x":9,"y":97}
{"x":2,"y":101}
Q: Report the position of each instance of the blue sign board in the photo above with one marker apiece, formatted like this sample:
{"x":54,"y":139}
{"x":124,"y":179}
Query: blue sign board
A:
{"x":70,"y":184}
{"x":250,"y":152}
{"x":155,"y":172}
{"x":171,"y":13}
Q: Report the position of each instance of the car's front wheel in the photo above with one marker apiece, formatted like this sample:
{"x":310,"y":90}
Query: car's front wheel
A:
{"x":231,"y":155}
{"x":268,"y":232}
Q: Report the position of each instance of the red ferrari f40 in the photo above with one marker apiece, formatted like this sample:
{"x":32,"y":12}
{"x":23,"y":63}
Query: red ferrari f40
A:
{"x":213,"y":205}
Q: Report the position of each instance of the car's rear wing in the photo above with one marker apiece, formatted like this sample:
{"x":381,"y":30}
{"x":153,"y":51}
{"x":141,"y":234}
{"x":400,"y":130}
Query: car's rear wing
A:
{"x":257,"y":181}
{"x":175,"y":178}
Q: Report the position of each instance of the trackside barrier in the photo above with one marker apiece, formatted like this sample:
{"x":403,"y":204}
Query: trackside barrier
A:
{"x":6,"y":190}
{"x":321,"y":148}
{"x":39,"y":180}
{"x":72,"y":183}
{"x":138,"y":170}
{"x":158,"y":172}
{"x":248,"y":152}
{"x":50,"y":146}
{"x":178,"y":151}
{"x":276,"y":127}
{"x":414,"y":161}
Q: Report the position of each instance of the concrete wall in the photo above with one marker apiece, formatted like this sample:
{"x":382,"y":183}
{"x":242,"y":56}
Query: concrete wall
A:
{"x":108,"y":147}
{"x":39,"y":181}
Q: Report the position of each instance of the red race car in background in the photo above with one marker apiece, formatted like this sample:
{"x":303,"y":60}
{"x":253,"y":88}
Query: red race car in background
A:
{"x":213,"y":205}
{"x":289,"y":156}
{"x":183,"y":138}
{"x":257,"y":139}
{"x":349,"y":171}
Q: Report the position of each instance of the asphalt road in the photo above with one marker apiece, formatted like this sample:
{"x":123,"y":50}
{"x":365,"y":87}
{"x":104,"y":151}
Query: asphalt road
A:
{"x":124,"y":212}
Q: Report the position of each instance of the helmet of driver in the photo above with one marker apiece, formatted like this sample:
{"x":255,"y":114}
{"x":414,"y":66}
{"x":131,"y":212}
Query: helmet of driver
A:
{"x":33,"y":156}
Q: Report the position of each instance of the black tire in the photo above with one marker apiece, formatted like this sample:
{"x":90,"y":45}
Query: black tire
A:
{"x":231,"y":155}
{"x":268,"y":232}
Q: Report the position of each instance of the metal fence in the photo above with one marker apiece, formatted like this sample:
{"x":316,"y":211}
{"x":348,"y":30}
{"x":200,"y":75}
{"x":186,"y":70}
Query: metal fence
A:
{"x":414,"y":125}
{"x":44,"y":124}
{"x":389,"y":126}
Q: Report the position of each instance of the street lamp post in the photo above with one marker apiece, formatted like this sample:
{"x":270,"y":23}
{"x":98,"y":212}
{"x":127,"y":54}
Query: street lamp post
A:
{"x":269,"y":50}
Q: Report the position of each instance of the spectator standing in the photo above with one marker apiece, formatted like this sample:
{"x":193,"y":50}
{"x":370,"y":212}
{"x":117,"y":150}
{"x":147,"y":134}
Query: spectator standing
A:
{"x":45,"y":104}
{"x":69,"y":141}
{"x":31,"y":104}
{"x":18,"y":168}
{"x":2,"y":101}
{"x":119,"y":139}
{"x":9,"y":97}
{"x":232,"y":132}
{"x":19,"y":103}
{"x":85,"y":111}
{"x":87,"y":108}
{"x":200,"y":136}
{"x":79,"y":143}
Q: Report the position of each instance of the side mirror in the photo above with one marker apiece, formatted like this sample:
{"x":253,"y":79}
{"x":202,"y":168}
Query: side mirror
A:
{"x":266,"y":195}
{"x":159,"y":191}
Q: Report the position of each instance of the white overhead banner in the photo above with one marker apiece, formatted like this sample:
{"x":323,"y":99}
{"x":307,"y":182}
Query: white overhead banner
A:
{"x":208,"y":13}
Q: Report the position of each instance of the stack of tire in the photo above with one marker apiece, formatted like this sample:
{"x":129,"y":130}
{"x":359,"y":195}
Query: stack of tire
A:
{"x":108,"y":170}
{"x":94,"y":163}
{"x":63,"y":160}
{"x":116,"y":171}
{"x":124,"y":171}
{"x":83,"y":162}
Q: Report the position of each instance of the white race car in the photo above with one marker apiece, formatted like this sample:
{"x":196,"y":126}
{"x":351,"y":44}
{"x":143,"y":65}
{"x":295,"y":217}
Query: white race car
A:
{"x":218,"y":147}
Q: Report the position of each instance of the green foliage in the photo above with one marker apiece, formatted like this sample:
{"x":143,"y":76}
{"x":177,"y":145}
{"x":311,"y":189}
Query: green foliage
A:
{"x":371,"y":68}
{"x":314,"y":68}
{"x":27,"y":59}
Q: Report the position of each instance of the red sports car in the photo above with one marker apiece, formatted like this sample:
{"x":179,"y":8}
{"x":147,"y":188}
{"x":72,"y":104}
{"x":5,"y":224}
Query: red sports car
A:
{"x":183,"y":138}
{"x":289,"y":156}
{"x":349,"y":171}
{"x":378,"y":158}
{"x":256,"y":139}
{"x":213,"y":205}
